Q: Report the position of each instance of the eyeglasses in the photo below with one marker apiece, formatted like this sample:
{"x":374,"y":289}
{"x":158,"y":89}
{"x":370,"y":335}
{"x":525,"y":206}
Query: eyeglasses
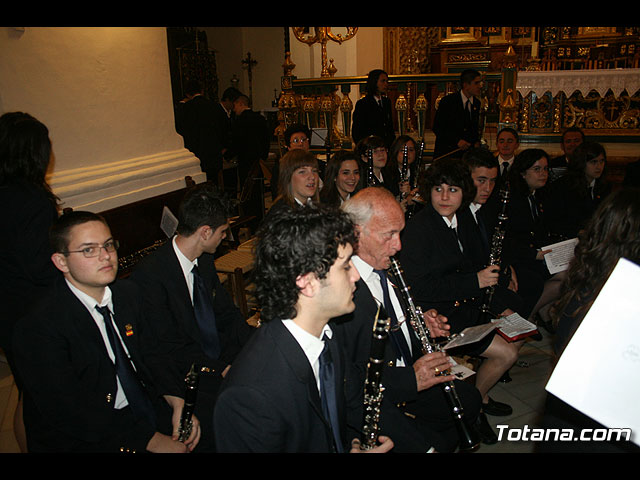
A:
{"x":299,"y":140}
{"x":94,"y":250}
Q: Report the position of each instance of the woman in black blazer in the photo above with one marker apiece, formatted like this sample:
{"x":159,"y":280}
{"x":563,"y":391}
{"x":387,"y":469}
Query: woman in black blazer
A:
{"x":527,"y":229}
{"x":573,"y":198}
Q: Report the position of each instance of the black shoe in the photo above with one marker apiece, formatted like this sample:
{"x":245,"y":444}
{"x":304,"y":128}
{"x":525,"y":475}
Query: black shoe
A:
{"x":505,"y":378}
{"x":548,"y":326}
{"x":497,"y":409}
{"x":485,"y":432}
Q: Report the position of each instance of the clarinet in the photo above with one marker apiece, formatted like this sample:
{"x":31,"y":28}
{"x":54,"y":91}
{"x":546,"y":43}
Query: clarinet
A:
{"x":497,"y":239}
{"x":191,"y":381}
{"x":372,"y":181}
{"x":468,"y":438}
{"x":414,"y":179}
{"x":404,"y":171}
{"x":372,"y":386}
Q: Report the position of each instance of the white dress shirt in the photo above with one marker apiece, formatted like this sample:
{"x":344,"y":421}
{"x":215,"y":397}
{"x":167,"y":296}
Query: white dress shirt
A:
{"x":310,"y":344}
{"x":90,"y":304}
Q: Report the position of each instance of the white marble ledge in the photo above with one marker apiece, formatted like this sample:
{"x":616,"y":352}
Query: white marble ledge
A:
{"x":570,"y":81}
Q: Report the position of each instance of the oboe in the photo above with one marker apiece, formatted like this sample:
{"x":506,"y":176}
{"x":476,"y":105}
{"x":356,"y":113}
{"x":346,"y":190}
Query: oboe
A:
{"x":497,"y":240}
{"x":191,"y":381}
{"x":468,"y":437}
{"x":372,"y":386}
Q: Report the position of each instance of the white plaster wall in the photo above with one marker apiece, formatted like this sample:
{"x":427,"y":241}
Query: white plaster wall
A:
{"x":105,"y":95}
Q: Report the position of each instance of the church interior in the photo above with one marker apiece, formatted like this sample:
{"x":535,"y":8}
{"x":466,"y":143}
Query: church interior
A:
{"x":109,"y":94}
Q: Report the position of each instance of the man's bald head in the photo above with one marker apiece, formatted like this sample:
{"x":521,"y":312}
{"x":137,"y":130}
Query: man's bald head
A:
{"x":379,"y":219}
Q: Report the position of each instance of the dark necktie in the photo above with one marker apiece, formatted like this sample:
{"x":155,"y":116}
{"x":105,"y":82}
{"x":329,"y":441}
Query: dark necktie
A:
{"x":398,"y":338}
{"x":328,"y":395}
{"x":205,"y":316}
{"x":505,"y":168}
{"x":134,"y":391}
{"x":534,"y":207}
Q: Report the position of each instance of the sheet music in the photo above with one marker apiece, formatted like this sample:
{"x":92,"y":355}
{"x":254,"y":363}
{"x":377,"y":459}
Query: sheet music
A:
{"x":598,"y":370}
{"x":560,"y":256}
{"x":514,"y":325}
{"x":470,"y":335}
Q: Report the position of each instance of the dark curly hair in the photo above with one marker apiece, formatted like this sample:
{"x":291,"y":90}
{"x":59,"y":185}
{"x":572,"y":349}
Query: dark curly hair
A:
{"x":294,"y":242}
{"x":452,"y":171}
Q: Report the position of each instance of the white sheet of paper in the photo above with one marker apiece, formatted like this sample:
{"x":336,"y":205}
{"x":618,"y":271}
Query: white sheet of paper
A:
{"x":470,"y":335}
{"x":598,"y":371}
{"x":560,"y":256}
{"x":514,"y":325}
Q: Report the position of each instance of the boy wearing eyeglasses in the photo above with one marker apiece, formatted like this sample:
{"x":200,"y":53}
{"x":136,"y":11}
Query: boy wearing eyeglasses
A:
{"x":86,"y":388}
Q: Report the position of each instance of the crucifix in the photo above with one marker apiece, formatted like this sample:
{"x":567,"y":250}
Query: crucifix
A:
{"x":249,"y":63}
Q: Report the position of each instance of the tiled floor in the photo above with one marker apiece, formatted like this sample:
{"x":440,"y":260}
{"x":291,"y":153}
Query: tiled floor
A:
{"x":525,"y":393}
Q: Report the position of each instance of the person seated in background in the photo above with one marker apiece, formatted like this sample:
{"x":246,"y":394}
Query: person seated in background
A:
{"x":393,"y":171}
{"x":572,"y":199}
{"x":443,"y":275}
{"x":298,"y":182}
{"x":571,"y":138}
{"x":372,"y":175}
{"x":192,"y":317}
{"x":80,"y":351}
{"x":507,"y":143}
{"x":527,"y":231}
{"x":481,"y":220}
{"x":289,"y":390}
{"x":342,"y":177}
{"x":296,"y":137}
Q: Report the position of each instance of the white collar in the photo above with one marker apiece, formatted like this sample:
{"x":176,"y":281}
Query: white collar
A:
{"x":90,"y":302}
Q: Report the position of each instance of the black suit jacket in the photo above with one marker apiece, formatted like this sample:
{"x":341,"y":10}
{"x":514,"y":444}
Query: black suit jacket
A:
{"x":451,"y":124}
{"x":69,"y":379}
{"x":371,"y":119}
{"x":269,"y":402}
{"x":177,"y":342}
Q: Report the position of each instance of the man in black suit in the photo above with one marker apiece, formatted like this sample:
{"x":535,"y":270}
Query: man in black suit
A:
{"x":456,"y":123}
{"x":372,"y":113}
{"x":86,"y":386}
{"x":280,"y":395}
{"x":411,"y":381}
{"x":571,"y":138}
{"x":250,"y":140}
{"x":195,"y":119}
{"x":191,"y":315}
{"x":223,"y":118}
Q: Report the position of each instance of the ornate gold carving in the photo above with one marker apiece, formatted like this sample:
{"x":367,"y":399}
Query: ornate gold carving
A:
{"x":323,"y":35}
